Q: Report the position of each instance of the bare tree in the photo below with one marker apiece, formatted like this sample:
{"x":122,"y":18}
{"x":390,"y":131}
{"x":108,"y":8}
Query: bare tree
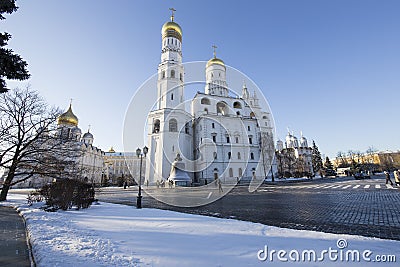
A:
{"x":289,"y":160}
{"x":341,"y":160}
{"x":370,"y":164}
{"x":267,"y":152}
{"x":29,"y":144}
{"x":280,"y":162}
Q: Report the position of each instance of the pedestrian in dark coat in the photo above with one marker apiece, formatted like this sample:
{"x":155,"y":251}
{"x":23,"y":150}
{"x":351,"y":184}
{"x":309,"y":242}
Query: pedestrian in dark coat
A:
{"x":388,"y":178}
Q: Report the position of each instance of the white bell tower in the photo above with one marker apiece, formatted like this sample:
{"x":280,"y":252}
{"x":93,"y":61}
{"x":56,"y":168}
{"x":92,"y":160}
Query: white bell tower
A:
{"x":169,"y":125}
{"x":170,"y":70}
{"x":216,"y":77}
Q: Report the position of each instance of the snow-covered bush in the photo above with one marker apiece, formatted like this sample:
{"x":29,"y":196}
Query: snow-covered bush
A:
{"x":67,"y":194}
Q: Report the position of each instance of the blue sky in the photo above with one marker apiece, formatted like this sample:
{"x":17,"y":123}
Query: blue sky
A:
{"x":328,"y":68}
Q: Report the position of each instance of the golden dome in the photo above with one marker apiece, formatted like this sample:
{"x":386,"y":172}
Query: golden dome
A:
{"x":171,"y":26}
{"x":111,"y":150}
{"x":215,"y":60}
{"x":171,"y":29}
{"x":68,"y":118}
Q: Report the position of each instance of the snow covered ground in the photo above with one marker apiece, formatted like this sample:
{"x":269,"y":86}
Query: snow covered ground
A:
{"x":117,"y":235}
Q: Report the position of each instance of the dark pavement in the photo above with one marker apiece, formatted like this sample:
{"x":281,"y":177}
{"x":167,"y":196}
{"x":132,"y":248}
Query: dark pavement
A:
{"x":13,"y":247}
{"x":341,"y":205}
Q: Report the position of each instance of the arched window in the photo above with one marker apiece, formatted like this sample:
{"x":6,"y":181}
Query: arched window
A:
{"x":237,"y":105}
{"x":173,"y":125}
{"x":252,"y":114}
{"x":172,"y":73}
{"x":206,"y":110}
{"x":251,"y":155}
{"x":240,"y":172}
{"x":237,"y":140}
{"x":187,"y":128}
{"x":222,"y":108}
{"x":238,"y":113}
{"x":163,"y":74}
{"x":215,"y":155}
{"x":264,"y":117}
{"x":229,"y":155}
{"x":230,"y":172}
{"x":156,"y":126}
{"x":205,"y":101}
{"x":239,"y":157}
{"x":181,"y":77}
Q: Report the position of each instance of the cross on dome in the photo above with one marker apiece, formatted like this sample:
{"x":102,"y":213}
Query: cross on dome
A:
{"x":172,"y":13}
{"x":215,"y":50}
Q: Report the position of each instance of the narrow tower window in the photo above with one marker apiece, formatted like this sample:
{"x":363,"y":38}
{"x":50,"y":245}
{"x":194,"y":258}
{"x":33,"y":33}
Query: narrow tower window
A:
{"x":172,"y":73}
{"x":156,"y":126}
{"x":173,"y":125}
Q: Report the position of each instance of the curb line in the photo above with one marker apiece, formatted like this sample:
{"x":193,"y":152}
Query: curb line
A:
{"x":28,"y":241}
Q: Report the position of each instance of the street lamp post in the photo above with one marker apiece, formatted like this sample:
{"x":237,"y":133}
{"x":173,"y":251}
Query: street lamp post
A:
{"x":140,"y":154}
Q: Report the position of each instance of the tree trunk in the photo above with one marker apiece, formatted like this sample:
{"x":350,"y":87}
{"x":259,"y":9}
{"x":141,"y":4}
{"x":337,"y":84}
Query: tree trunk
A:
{"x":6,"y":185}
{"x":4,"y":192}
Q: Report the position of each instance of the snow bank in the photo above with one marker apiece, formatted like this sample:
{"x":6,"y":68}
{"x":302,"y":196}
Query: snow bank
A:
{"x":117,"y":235}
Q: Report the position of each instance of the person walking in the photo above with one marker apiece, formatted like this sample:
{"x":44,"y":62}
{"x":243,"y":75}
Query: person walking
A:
{"x":219,"y":186}
{"x":396,"y":174}
{"x":388,"y":177}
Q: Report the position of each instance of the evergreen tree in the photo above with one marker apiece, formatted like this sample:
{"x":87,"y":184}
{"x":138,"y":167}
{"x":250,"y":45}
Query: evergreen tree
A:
{"x":316,"y":158}
{"x":328,"y":164}
{"x":12,"y":66}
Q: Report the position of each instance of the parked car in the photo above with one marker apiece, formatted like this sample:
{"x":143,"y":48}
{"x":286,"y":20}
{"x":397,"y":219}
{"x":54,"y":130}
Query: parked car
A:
{"x":361,"y":175}
{"x":330,"y":173}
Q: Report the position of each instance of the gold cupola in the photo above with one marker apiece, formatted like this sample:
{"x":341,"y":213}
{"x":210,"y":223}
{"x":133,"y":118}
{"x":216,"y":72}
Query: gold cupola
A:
{"x":68,"y":118}
{"x":172,"y":29}
{"x":215,"y":60}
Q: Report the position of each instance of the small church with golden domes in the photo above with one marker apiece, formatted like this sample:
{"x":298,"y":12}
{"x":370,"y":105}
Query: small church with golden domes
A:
{"x":219,"y":138}
{"x":90,"y":159}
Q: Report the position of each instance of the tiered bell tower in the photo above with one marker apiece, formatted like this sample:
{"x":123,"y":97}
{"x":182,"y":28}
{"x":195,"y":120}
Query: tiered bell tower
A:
{"x":170,"y":70}
{"x":169,"y":125}
{"x":216,"y":76}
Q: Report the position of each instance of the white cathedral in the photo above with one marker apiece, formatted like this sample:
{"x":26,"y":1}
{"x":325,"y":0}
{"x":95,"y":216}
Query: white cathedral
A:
{"x":222,"y":136}
{"x":90,"y":158}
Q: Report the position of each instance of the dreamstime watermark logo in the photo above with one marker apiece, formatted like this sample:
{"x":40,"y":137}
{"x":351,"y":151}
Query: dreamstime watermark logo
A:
{"x":340,"y":253}
{"x":220,"y":138}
